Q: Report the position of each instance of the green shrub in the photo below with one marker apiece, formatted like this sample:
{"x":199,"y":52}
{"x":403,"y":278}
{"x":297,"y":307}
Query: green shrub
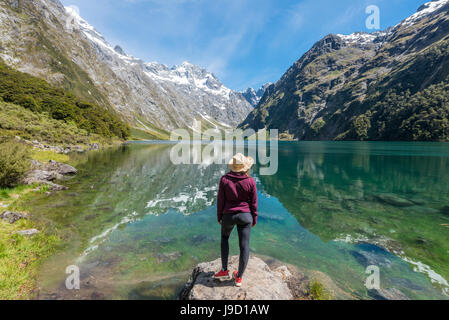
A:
{"x":39,"y":96}
{"x":317,"y":125}
{"x":18,"y":121}
{"x":361,"y":126}
{"x":14,"y":163}
{"x":317,"y":291}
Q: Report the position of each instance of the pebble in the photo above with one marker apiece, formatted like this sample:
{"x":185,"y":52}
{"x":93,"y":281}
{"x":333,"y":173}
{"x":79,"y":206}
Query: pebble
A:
{"x":28,"y":233}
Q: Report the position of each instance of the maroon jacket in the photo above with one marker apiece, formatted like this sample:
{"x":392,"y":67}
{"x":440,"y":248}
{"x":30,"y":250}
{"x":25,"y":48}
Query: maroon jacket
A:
{"x":237,"y":193}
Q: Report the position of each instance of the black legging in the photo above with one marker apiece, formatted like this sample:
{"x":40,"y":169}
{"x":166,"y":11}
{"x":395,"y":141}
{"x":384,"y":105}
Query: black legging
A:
{"x":244,"y":222}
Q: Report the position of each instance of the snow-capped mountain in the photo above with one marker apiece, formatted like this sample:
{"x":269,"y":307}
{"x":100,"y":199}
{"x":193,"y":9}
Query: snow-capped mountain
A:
{"x":64,"y":49}
{"x":188,"y":91}
{"x":188,"y":77}
{"x":425,"y":10}
{"x":360,"y":86}
{"x":364,"y":38}
{"x":253,"y":96}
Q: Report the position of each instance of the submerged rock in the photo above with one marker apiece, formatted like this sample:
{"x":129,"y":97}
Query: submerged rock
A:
{"x":387,"y":294}
{"x":199,"y":239}
{"x":366,"y":258}
{"x":259,"y":283}
{"x":167,"y":257}
{"x":394,"y":200}
{"x":423,"y":210}
{"x":445,"y":210}
{"x":12,"y":217}
{"x":418,"y":201}
{"x":403,"y":282}
{"x":163,"y":240}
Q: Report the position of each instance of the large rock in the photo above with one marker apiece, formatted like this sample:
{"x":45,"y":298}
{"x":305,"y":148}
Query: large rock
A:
{"x":40,"y":176}
{"x":259,"y":282}
{"x":60,"y":168}
{"x":48,"y":172}
{"x":12,"y":217}
{"x":56,"y":187}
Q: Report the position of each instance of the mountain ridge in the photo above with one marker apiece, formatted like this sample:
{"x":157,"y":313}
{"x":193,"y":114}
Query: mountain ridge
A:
{"x":186,"y":82}
{"x":52,"y":42}
{"x":343,"y":87}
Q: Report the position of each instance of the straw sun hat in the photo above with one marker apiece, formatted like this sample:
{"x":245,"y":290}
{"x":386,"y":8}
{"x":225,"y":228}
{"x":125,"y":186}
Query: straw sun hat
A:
{"x":240,"y":163}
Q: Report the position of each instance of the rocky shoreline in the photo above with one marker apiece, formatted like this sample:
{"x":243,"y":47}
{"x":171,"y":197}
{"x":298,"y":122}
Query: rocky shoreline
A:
{"x":45,"y":174}
{"x":59,"y":149}
{"x":41,"y":174}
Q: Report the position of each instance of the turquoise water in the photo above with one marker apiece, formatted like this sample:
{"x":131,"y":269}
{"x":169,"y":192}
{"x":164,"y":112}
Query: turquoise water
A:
{"x":136,"y":224}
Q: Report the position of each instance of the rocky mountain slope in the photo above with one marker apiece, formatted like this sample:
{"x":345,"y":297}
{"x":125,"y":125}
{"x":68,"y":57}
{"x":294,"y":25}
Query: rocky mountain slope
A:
{"x":390,"y":85}
{"x":52,"y":42}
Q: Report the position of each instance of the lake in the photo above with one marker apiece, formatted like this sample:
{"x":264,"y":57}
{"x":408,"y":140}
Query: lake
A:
{"x":136,"y":225}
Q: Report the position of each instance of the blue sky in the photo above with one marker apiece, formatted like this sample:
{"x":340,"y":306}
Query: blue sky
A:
{"x":246,"y":43}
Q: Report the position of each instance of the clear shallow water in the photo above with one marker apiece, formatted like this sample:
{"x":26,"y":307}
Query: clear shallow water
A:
{"x":136,"y":225}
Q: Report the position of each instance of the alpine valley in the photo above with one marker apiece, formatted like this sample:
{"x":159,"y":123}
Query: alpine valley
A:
{"x":47,"y":40}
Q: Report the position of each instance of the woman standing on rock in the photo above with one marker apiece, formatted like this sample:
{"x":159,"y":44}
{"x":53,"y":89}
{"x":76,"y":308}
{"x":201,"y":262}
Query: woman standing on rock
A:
{"x":236,"y":206}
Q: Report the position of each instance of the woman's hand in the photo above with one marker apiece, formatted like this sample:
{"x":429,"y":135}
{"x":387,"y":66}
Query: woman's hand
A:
{"x":254,"y":220}
{"x":219,"y":222}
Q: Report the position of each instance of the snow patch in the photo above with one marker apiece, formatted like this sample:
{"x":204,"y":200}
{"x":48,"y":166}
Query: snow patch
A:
{"x":96,"y":37}
{"x":359,"y":38}
{"x":425,"y":10}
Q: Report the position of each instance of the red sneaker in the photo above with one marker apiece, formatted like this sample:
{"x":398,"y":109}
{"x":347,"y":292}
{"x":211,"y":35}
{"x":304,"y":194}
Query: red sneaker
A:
{"x":222,"y":275}
{"x":238,"y":281}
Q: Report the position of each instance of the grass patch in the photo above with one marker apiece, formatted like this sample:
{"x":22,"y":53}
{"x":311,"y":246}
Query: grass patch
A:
{"x":11,"y":196}
{"x":20,"y":256}
{"x":137,"y":134}
{"x":150,"y":133}
{"x":46,"y":156}
{"x":146,"y":129}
